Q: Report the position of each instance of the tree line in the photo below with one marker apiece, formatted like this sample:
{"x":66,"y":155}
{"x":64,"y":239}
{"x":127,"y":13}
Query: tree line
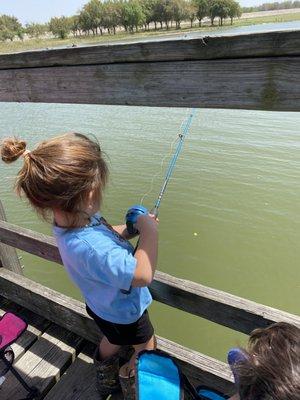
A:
{"x":96,"y":17}
{"x":130,"y":15}
{"x":273,"y":6}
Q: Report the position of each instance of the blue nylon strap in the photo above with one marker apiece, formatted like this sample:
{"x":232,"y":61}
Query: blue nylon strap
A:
{"x":207,"y":394}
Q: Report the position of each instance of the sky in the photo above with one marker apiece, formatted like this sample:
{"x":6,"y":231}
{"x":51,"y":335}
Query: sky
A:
{"x":43,"y":10}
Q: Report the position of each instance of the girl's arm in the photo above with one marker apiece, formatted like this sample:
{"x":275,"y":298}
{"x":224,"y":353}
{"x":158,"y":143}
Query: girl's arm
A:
{"x":146,"y":253}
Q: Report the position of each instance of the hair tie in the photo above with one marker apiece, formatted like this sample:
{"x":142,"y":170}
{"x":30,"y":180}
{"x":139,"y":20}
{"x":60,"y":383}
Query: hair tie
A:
{"x":26,"y":152}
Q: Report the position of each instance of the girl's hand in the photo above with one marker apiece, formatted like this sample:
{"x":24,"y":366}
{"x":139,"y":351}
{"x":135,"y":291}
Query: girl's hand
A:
{"x":146,"y":222}
{"x":154,"y":217}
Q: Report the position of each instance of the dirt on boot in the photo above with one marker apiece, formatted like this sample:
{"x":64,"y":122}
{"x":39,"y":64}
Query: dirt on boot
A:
{"x":128,"y":387}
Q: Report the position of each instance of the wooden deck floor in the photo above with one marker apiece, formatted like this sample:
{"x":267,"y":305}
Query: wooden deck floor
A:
{"x":57,"y":362}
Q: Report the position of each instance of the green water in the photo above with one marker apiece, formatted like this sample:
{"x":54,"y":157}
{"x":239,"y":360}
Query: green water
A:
{"x":229,"y":219}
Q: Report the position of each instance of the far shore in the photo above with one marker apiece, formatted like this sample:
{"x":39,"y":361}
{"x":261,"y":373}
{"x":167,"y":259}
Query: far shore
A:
{"x":271,"y":12}
{"x":49,"y":42}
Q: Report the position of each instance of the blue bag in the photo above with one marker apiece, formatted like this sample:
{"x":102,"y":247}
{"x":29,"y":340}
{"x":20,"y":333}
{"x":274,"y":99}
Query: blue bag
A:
{"x":159,"y":377}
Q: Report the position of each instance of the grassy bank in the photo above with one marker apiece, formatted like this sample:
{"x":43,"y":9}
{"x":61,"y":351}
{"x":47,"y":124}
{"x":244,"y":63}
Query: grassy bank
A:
{"x":32,"y":44}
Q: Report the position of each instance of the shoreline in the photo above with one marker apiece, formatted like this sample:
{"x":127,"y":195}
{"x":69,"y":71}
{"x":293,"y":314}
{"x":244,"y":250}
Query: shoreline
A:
{"x":247,"y":19}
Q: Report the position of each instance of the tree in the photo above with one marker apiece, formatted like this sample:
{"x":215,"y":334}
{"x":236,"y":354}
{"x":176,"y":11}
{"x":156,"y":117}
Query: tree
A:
{"x":148,"y":9}
{"x":179,"y":11}
{"x":158,"y":13}
{"x":74,"y":24}
{"x":85,"y":22}
{"x":223,"y":10}
{"x":36,"y":30}
{"x":218,"y":8}
{"x":235,"y":10}
{"x":10,"y":27}
{"x":167,"y":12}
{"x":90,"y":17}
{"x":132,"y":15}
{"x":60,"y":26}
{"x":202,"y":9}
{"x":111,"y":15}
{"x":191,"y":12}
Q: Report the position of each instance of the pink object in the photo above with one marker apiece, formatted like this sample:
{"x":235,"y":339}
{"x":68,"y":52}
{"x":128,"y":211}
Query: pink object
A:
{"x":11,"y":327}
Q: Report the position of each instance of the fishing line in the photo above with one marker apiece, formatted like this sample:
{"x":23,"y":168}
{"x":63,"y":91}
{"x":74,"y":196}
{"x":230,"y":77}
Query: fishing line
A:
{"x":135,"y":211}
{"x":160,"y":170}
{"x":184,"y":128}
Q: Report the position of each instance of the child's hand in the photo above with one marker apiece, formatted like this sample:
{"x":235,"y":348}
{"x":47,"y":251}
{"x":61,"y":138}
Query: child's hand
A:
{"x":154,"y":217}
{"x":146,"y":222}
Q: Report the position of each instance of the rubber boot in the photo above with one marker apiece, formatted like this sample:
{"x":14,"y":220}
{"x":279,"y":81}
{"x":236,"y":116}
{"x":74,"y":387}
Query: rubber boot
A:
{"x":107,"y":371}
{"x":128,"y":387}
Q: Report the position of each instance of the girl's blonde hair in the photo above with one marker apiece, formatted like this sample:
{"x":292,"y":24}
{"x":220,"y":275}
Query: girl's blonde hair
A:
{"x":59,"y":173}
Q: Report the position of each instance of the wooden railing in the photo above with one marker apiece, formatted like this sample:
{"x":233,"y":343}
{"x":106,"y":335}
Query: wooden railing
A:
{"x":250,"y":71}
{"x":215,"y":305}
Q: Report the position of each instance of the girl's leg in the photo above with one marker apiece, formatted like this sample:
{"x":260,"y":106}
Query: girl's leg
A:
{"x":127,"y":371}
{"x":129,"y":368}
{"x":107,"y":349}
{"x":106,"y":361}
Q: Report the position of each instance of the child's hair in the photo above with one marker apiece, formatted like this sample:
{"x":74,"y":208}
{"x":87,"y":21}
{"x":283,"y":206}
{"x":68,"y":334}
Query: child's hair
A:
{"x":58,"y":173}
{"x":271,"y":368}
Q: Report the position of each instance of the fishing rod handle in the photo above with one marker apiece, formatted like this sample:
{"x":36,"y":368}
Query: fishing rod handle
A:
{"x":132,"y":215}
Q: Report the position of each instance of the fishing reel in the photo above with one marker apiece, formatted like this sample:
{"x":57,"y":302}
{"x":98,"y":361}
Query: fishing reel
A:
{"x":132,"y":215}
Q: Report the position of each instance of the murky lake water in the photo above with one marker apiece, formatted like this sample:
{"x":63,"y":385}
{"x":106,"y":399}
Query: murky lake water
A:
{"x":230,"y":218}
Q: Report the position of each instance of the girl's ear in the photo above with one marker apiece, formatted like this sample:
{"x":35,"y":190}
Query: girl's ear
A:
{"x":92,"y":199}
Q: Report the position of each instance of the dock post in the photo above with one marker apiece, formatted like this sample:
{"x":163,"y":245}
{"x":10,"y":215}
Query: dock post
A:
{"x":8,"y":256}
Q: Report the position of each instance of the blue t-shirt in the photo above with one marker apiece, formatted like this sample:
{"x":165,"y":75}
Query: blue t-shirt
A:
{"x":102,"y":265}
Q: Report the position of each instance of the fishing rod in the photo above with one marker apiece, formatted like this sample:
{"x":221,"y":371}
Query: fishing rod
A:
{"x":138,"y":209}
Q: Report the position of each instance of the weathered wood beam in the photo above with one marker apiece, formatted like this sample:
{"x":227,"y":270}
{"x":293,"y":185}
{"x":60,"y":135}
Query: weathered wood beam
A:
{"x":215,"y":305}
{"x":8,"y":256}
{"x":267,"y":44}
{"x":70,"y":314}
{"x":261,"y":83}
{"x":33,"y":242}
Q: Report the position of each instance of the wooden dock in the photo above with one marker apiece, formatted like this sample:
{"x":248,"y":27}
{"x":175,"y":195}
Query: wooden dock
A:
{"x":57,"y":362}
{"x":256,"y":71}
{"x":61,"y":337}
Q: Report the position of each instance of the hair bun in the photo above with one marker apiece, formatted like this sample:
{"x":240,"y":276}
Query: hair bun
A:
{"x":12,"y":149}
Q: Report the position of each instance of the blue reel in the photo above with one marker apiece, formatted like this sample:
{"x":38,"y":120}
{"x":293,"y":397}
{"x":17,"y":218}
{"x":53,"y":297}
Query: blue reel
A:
{"x":132,"y":216}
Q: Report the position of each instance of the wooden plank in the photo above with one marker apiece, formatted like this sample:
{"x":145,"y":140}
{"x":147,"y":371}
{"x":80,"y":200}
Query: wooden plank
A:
{"x":52,"y":305}
{"x":78,"y":382}
{"x":261,"y":83}
{"x":267,"y":44}
{"x":36,"y":326}
{"x":8,"y":255}
{"x":30,"y":241}
{"x":43,"y":363}
{"x":70,"y":314}
{"x":217,"y":306}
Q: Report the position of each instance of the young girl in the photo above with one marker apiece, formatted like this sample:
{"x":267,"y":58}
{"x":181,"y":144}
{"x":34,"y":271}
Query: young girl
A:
{"x":270,"y":368}
{"x":64,"y":177}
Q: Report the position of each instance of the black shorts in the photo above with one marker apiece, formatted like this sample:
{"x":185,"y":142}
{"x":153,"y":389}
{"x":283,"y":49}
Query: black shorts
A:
{"x":138,"y":332}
